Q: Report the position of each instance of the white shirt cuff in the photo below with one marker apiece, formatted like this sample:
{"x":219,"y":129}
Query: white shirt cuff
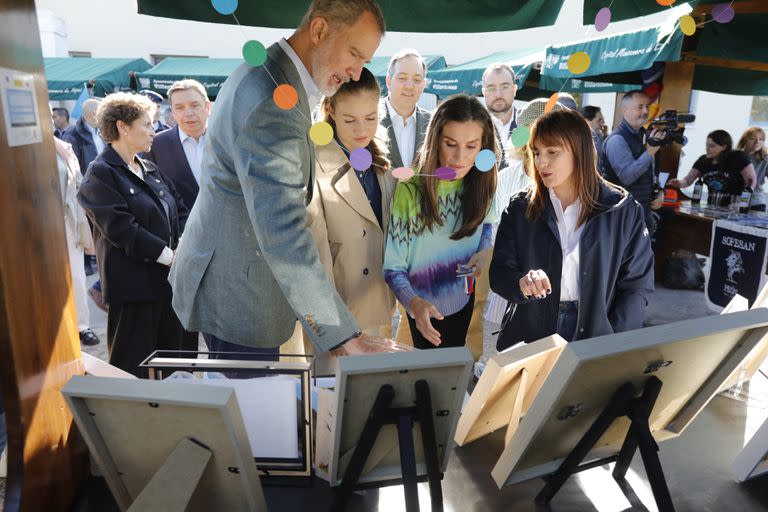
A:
{"x":166,"y":257}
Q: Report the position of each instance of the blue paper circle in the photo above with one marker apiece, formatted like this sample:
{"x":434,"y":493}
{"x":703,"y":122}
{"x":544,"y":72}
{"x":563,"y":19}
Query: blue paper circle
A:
{"x":225,"y":7}
{"x":485,"y":160}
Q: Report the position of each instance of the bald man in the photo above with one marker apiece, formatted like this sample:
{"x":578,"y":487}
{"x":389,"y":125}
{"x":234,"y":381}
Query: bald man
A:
{"x":84,"y":136}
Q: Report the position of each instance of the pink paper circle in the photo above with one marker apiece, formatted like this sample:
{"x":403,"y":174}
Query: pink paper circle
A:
{"x":602,"y":19}
{"x":402,"y":173}
{"x":445,"y":173}
{"x":723,"y":13}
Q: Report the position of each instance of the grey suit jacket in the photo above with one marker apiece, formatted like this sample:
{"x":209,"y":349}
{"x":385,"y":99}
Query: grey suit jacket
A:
{"x":247,"y":266}
{"x":422,"y":121}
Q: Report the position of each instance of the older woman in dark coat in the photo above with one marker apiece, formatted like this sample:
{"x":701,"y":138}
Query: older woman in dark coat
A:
{"x":137,"y":220}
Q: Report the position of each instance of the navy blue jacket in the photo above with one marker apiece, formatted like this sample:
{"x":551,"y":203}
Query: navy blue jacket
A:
{"x":616,"y":265}
{"x":168,"y":153}
{"x":130,"y":227}
{"x":82,"y":143}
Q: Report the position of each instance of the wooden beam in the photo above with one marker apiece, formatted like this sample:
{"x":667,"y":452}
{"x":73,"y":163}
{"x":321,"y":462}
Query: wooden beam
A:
{"x":724,"y":63}
{"x":742,"y":7}
{"x":678,"y":79}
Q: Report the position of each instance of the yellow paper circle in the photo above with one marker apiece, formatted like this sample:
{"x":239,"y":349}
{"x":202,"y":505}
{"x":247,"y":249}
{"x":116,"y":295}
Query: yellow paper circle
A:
{"x":578,"y":63}
{"x":687,"y":25}
{"x":321,"y":133}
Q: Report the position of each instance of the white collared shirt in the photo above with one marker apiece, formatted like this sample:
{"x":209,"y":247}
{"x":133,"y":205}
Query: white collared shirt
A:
{"x":193,"y":149}
{"x":97,"y":140}
{"x":570,"y":237}
{"x":310,"y":88}
{"x":504,"y":129}
{"x":405,"y":133}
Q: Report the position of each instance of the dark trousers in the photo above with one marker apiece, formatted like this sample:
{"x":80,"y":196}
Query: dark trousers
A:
{"x":136,"y":329}
{"x":567,"y":316}
{"x":240,"y":352}
{"x":452,"y":328}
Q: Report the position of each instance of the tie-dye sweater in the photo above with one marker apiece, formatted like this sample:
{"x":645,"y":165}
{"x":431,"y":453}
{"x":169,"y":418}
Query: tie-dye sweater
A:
{"x":420,"y":262}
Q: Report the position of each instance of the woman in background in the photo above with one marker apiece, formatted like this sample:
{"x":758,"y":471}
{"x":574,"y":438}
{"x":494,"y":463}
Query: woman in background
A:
{"x":752,"y":142}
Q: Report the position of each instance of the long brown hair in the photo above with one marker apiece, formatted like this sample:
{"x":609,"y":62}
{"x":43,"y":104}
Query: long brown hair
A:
{"x":750,"y":132}
{"x":366,"y":84}
{"x":568,"y":129}
{"x":479,"y":187}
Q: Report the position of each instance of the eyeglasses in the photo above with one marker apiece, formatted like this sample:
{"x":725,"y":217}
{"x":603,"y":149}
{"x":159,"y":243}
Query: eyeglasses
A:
{"x":493,"y":89}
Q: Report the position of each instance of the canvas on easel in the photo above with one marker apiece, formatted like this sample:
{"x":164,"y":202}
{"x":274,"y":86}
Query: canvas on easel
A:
{"x":682,"y":365}
{"x":507,"y":388}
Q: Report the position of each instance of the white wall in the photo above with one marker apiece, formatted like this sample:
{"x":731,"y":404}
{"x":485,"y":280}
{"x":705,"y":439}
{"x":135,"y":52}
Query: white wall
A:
{"x":53,"y":34}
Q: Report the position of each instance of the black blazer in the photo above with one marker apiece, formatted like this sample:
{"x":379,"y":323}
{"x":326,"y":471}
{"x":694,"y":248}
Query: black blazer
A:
{"x":130,"y":227}
{"x":82,"y":143}
{"x":168,"y":153}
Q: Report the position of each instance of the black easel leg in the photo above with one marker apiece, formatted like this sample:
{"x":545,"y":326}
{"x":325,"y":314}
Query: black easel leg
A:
{"x":647,"y":401}
{"x":408,"y":462}
{"x":363,"y":449}
{"x":625,"y":456}
{"x":425,"y":412}
{"x":616,"y":407}
{"x":649,"y":450}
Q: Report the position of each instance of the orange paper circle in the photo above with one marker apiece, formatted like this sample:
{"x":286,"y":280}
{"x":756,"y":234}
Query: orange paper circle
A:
{"x":285,"y":96}
{"x":665,"y":3}
{"x":551,"y":103}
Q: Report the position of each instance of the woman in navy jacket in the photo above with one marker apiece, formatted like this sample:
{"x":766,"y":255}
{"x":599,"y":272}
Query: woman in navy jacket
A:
{"x":572,"y":253}
{"x":137,"y":220}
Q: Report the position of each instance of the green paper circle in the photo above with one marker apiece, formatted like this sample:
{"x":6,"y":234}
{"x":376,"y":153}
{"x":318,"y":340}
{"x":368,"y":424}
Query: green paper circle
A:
{"x":520,"y":136}
{"x":254,"y":53}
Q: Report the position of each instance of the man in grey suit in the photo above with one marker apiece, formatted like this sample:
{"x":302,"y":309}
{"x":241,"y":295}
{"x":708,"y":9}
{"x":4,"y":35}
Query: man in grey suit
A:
{"x":247,"y":267}
{"x":405,"y":121}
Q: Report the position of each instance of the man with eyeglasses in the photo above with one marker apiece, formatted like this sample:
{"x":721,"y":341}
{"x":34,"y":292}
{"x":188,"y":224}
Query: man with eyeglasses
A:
{"x":405,"y":121}
{"x":499,"y":91}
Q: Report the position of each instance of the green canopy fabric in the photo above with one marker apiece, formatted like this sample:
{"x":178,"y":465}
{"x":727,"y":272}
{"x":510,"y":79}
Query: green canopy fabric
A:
{"x":741,"y":39}
{"x":379,"y":65}
{"x":627,"y":9}
{"x":449,"y":16}
{"x":467,"y":77}
{"x":66,"y":75}
{"x":210,"y":72}
{"x":615,"y":60}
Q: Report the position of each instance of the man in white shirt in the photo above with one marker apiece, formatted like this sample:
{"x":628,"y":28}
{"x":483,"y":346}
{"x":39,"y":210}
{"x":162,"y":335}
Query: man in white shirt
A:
{"x":178,"y":152}
{"x":499,"y":91}
{"x":405,"y":121}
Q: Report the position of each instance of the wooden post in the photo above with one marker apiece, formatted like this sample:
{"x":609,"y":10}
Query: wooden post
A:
{"x":678,"y":80}
{"x":39,"y":342}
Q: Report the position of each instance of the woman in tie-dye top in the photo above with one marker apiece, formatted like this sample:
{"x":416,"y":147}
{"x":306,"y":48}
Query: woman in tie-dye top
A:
{"x":438,"y":225}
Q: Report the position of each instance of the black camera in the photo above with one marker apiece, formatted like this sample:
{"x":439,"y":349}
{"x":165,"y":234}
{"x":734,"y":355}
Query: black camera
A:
{"x":669,"y":122}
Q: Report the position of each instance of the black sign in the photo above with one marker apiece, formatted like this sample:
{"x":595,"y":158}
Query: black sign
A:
{"x":737,"y":262}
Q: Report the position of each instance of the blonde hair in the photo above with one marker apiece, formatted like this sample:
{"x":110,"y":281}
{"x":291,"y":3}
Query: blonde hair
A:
{"x":121,"y":106}
{"x":408,"y":52}
{"x":761,"y":153}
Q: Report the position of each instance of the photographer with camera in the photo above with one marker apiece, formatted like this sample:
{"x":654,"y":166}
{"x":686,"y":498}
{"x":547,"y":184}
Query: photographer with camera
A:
{"x":725,"y":171}
{"x":629,"y":154}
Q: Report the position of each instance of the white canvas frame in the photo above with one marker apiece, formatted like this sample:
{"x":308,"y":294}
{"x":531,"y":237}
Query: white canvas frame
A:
{"x":703,"y":354}
{"x":132,"y":426}
{"x":446,"y":371}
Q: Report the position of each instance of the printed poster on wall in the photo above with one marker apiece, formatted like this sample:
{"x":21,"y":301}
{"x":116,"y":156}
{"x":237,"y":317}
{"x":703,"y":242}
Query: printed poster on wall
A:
{"x":17,"y":102}
{"x":737,"y":263}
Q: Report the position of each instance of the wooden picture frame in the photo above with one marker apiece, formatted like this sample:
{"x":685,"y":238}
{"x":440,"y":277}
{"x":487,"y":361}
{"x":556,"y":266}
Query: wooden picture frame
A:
{"x":692,"y":359}
{"x":509,"y":383}
{"x":359,"y":379}
{"x":752,"y":461}
{"x":162,"y":447}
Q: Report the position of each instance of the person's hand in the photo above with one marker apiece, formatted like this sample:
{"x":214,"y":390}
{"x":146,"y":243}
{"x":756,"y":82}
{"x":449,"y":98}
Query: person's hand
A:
{"x":365,"y":344}
{"x":422,"y":312}
{"x":604,"y":130}
{"x":535,"y":284}
{"x":655,"y":134}
{"x":658,"y":201}
{"x":479,"y":260}
{"x":674,"y":182}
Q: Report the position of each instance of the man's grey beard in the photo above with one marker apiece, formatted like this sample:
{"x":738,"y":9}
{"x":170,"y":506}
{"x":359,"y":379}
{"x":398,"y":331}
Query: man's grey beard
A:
{"x":500,"y":112}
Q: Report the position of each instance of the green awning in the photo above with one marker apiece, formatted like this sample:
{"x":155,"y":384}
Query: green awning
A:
{"x":66,"y":75}
{"x":380,"y":64}
{"x":615,"y":60}
{"x":448,"y":16}
{"x":628,"y":9}
{"x":467,"y":77}
{"x":210,"y":72}
{"x":740,"y":40}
